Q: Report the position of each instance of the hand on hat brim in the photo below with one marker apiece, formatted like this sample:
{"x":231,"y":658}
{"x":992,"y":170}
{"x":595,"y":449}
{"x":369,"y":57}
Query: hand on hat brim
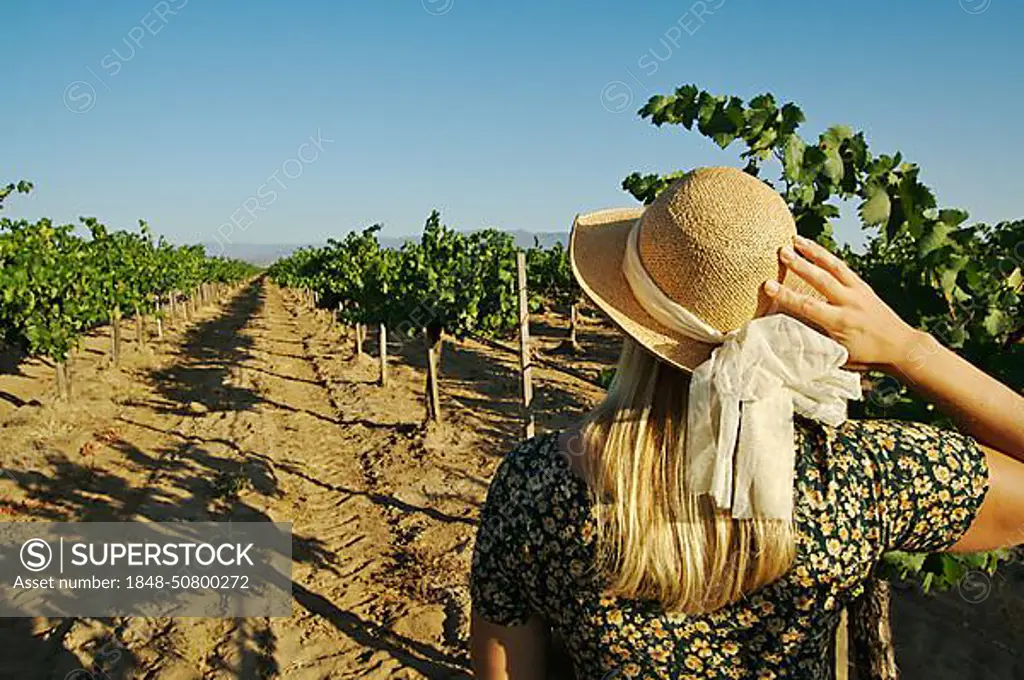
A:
{"x":850,"y":313}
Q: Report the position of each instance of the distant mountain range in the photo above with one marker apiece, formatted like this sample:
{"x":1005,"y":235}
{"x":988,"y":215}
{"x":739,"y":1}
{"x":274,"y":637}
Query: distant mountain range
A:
{"x":266,"y":253}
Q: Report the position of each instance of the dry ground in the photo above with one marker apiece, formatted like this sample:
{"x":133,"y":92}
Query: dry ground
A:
{"x":264,"y":394}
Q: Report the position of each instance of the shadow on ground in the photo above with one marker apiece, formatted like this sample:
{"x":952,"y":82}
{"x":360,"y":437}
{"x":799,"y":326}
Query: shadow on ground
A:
{"x":180,"y":485}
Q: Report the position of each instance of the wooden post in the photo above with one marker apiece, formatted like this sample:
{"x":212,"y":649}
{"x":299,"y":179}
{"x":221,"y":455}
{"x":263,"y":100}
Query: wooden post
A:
{"x":870,"y":632}
{"x":359,"y":341}
{"x":842,"y":647}
{"x":382,"y":335}
{"x":529,"y":426}
{"x":63,"y":381}
{"x":432,"y":337}
{"x":573,"y":320}
{"x":140,"y":328}
{"x":115,"y":336}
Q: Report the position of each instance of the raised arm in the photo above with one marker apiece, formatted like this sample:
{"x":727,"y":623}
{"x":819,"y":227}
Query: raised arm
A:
{"x":877,"y":338}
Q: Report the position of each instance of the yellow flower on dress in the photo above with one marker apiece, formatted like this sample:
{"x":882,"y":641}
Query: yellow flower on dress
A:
{"x":746,"y":618}
{"x":792,"y":636}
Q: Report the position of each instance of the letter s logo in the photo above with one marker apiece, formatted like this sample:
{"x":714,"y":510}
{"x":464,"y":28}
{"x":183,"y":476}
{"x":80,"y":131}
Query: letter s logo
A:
{"x":36,"y":554}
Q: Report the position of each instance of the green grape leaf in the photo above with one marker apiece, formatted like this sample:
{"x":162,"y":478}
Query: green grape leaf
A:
{"x":875,"y":209}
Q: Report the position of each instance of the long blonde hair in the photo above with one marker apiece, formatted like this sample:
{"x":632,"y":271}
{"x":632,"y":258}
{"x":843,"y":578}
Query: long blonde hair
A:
{"x":655,"y":539}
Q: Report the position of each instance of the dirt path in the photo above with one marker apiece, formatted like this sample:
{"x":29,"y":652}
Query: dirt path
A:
{"x":348,"y":622}
{"x":258,"y":411}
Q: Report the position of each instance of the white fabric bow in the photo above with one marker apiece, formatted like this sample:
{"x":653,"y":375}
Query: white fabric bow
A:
{"x":740,"y":445}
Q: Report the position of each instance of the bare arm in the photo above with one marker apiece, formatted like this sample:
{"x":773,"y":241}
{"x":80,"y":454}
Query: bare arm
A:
{"x":877,"y":338}
{"x":508,"y":652}
{"x":984,"y":407}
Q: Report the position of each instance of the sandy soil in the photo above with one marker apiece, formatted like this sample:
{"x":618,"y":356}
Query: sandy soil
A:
{"x":264,"y":395}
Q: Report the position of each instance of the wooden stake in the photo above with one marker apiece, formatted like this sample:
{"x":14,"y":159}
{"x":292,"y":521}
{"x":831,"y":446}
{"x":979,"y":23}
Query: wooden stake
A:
{"x":529,"y":424}
{"x":573,"y":320}
{"x":359,"y":341}
{"x":871,"y":645}
{"x":433,"y":340}
{"x":383,"y":341}
{"x":63,"y":381}
{"x":842,"y":647}
{"x":115,"y":336}
{"x":140,"y":330}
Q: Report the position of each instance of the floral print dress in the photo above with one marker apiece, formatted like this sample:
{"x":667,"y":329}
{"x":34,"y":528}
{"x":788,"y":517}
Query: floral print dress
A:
{"x":862,"y":489}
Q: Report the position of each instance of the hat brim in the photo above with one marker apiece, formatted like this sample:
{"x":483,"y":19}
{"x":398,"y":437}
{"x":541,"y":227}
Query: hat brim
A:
{"x":597,"y":246}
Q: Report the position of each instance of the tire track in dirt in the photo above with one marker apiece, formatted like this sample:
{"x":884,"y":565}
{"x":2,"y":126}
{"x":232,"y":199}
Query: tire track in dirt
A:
{"x":341,"y":626}
{"x":419,"y":476}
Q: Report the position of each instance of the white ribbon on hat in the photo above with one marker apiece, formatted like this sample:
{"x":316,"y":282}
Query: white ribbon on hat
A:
{"x":740,"y":446}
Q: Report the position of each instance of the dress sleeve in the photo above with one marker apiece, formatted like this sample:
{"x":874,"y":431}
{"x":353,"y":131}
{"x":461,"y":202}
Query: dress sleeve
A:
{"x":498,"y":571}
{"x":928,"y":483}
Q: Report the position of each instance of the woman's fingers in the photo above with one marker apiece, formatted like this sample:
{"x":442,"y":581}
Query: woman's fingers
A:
{"x":821,"y":256}
{"x":820,"y":279}
{"x":803,"y":307}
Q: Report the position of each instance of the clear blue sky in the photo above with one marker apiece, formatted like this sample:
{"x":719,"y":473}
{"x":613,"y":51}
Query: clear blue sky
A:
{"x":490,"y":111}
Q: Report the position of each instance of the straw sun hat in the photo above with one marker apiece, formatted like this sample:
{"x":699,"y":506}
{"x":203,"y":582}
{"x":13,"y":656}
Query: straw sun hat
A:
{"x":708,"y":243}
